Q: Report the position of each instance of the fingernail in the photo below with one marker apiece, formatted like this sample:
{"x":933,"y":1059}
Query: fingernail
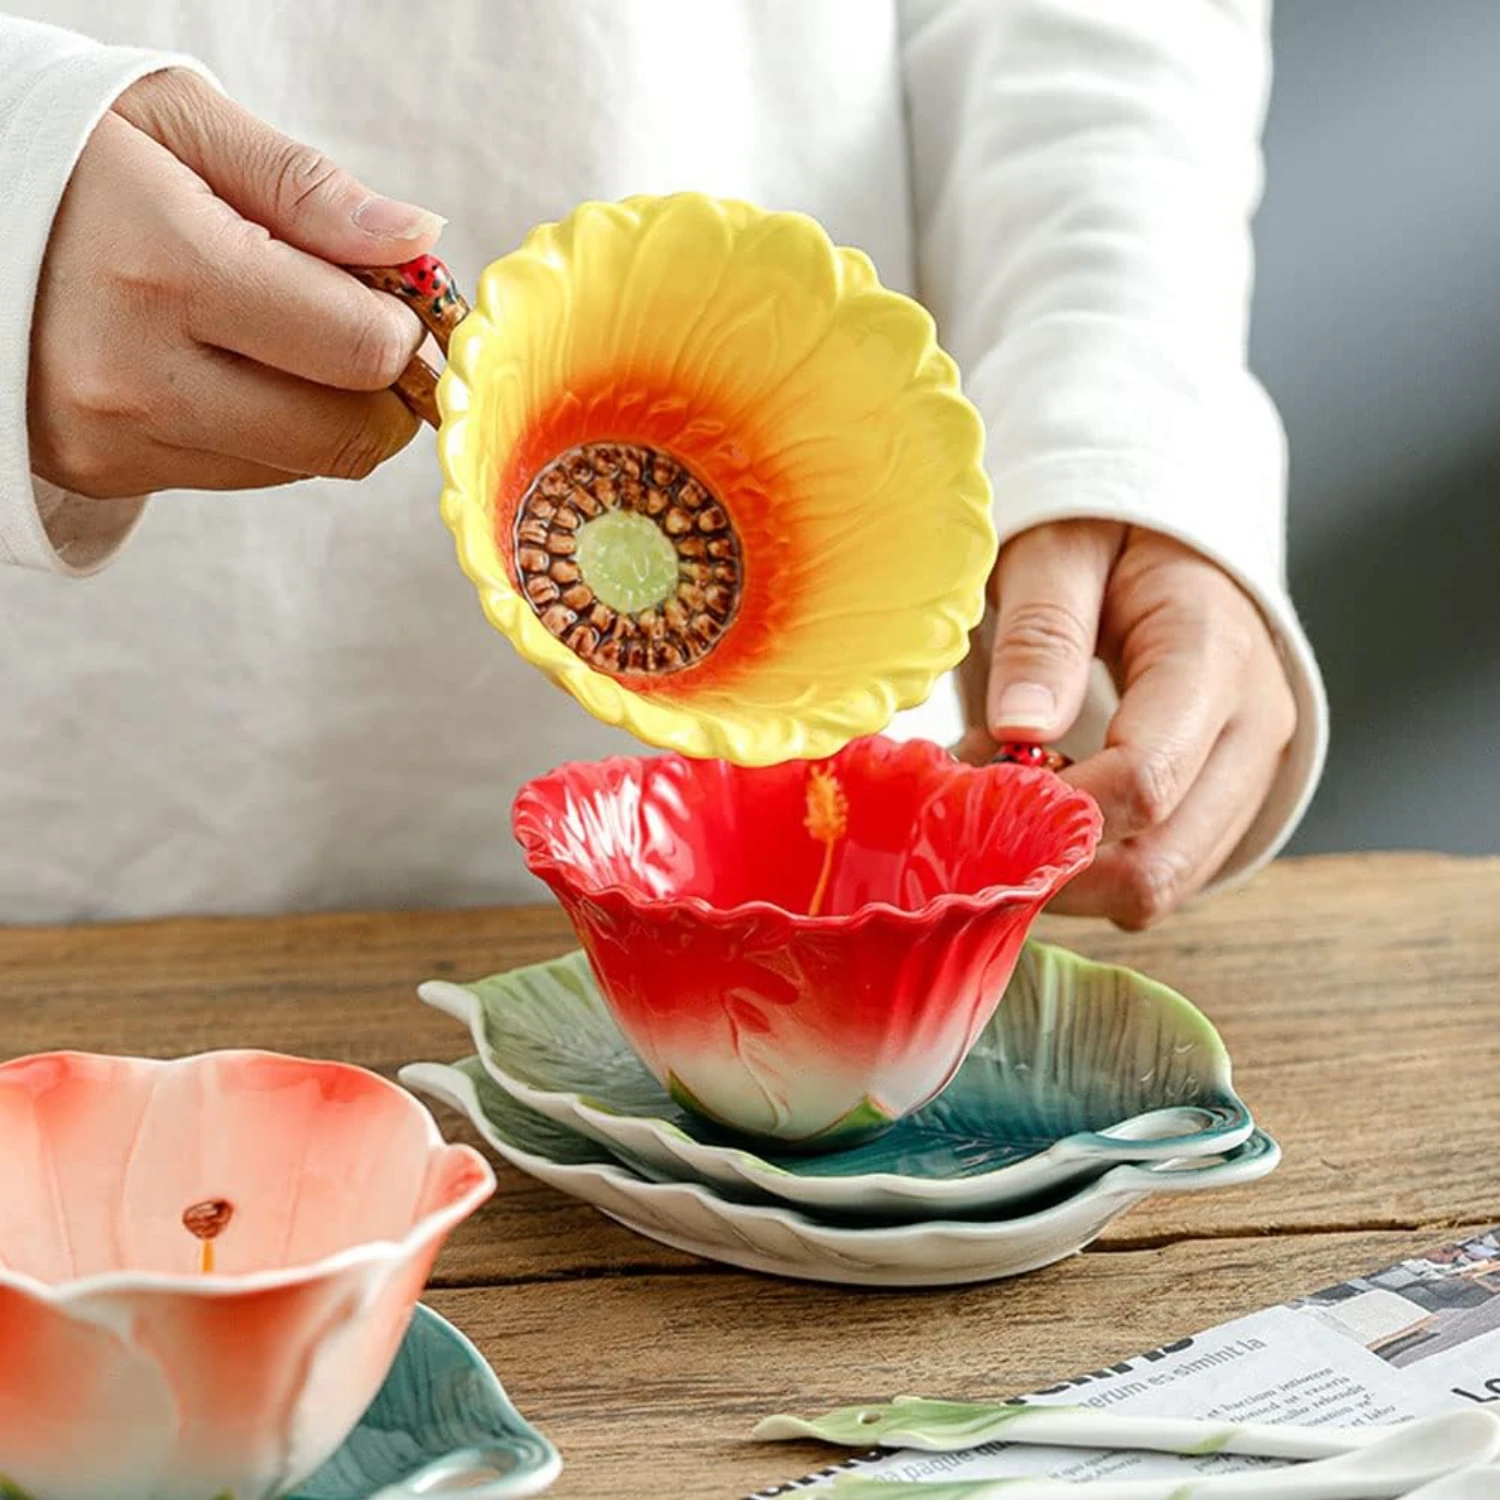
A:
{"x":387,"y":219}
{"x":1025,"y":705}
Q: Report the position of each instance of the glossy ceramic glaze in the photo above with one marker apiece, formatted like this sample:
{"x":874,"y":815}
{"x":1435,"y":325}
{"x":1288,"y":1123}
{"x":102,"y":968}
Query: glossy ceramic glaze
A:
{"x":1082,"y":1067}
{"x":126,"y":1367}
{"x":440,"y":1424}
{"x":783,"y":1241}
{"x":960,"y":1426}
{"x":814,"y":405}
{"x":689,"y":883}
{"x":1392,"y":1468}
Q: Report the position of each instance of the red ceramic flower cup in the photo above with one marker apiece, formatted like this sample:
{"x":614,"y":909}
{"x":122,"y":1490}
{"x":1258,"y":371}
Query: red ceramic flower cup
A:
{"x":804,"y":952}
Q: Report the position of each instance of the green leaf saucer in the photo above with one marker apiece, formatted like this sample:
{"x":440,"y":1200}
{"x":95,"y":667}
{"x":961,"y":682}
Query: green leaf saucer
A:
{"x":1082,"y":1067}
{"x":779,"y":1240}
{"x":441,"y":1423}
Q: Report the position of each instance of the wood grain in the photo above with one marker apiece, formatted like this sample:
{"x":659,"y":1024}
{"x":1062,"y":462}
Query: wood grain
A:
{"x":1360,"y":997}
{"x":651,"y":1384}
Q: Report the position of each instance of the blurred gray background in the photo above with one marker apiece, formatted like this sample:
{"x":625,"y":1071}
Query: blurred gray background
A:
{"x":1377,"y":330}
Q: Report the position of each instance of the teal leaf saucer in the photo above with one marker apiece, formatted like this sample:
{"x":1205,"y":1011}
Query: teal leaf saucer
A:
{"x":440,"y":1424}
{"x":1083,"y":1066}
{"x":779,"y":1240}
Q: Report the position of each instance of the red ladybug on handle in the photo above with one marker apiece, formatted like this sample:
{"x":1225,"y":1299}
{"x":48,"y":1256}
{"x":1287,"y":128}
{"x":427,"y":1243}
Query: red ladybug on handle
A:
{"x":1017,"y":752}
{"x":426,"y":276}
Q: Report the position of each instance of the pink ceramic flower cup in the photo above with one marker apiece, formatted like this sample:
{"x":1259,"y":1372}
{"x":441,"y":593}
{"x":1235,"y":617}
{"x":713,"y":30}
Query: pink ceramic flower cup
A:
{"x":206,"y":1266}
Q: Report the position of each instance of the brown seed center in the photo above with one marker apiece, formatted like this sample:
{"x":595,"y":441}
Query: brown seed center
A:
{"x":695,"y":609}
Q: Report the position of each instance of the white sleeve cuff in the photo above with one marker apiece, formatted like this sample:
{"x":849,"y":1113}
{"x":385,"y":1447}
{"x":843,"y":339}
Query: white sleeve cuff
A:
{"x":55,"y":87}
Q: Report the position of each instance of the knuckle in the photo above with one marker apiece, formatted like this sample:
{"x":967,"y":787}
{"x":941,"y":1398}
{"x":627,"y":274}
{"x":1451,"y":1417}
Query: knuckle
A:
{"x":169,"y":410}
{"x":144,"y":281}
{"x":1283,"y":715}
{"x":149,"y":274}
{"x":357,"y":452}
{"x":99,"y":389}
{"x":378,"y":350}
{"x":1046,"y":631}
{"x":97,"y":481}
{"x":300,"y":174}
{"x":72,"y":459}
{"x":1150,"y":890}
{"x":1232,"y":639}
{"x":1148,"y":788}
{"x":161,"y":276}
{"x":161,"y":100}
{"x":107,"y":412}
{"x":234,"y":241}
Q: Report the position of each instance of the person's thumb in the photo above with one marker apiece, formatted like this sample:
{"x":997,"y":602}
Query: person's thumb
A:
{"x":295,"y":192}
{"x":1050,"y":584}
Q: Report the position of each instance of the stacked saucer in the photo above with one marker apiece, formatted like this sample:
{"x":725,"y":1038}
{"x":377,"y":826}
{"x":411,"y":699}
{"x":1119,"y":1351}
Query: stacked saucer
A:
{"x":1089,"y":1089}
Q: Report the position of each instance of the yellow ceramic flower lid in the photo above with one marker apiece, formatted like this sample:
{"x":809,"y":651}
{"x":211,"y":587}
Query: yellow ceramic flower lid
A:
{"x":711,"y":476}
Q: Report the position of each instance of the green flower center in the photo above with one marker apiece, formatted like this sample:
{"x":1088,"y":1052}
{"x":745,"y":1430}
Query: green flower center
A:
{"x":628,"y":561}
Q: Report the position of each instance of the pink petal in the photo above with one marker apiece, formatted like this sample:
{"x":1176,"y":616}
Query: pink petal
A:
{"x":82,"y":1415}
{"x":236,"y":1367}
{"x":69,"y":1123}
{"x":313,"y":1159}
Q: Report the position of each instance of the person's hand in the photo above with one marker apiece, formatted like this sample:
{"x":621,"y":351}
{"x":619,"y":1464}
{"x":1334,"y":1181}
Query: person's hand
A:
{"x":192,"y":328}
{"x":1205,"y":707}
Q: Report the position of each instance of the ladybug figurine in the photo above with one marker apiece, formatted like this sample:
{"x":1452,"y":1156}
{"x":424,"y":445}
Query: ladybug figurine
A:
{"x":1017,"y":752}
{"x":426,"y":276}
{"x":427,"y":279}
{"x":428,"y":285}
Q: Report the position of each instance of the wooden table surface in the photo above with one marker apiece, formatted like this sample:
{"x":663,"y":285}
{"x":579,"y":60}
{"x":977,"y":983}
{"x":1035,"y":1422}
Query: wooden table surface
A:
{"x":1360,"y":997}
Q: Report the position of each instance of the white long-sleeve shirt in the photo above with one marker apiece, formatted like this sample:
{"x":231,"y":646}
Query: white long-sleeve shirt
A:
{"x":289,"y":699}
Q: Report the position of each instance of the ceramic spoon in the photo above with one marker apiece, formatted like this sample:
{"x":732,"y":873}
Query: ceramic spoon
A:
{"x":486,"y":1471}
{"x":1468,"y":1484}
{"x":1390,"y":1469}
{"x":954,"y":1426}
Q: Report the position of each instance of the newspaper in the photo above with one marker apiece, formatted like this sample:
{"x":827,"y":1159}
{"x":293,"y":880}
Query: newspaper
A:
{"x":1420,"y":1336}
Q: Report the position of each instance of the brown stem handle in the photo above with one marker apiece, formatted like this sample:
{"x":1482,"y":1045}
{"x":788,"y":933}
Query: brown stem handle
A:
{"x":427,"y":286}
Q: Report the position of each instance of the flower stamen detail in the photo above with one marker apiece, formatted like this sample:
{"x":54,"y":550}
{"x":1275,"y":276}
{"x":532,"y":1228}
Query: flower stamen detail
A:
{"x":206,"y":1221}
{"x":628,"y":559}
{"x":827,"y":821}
